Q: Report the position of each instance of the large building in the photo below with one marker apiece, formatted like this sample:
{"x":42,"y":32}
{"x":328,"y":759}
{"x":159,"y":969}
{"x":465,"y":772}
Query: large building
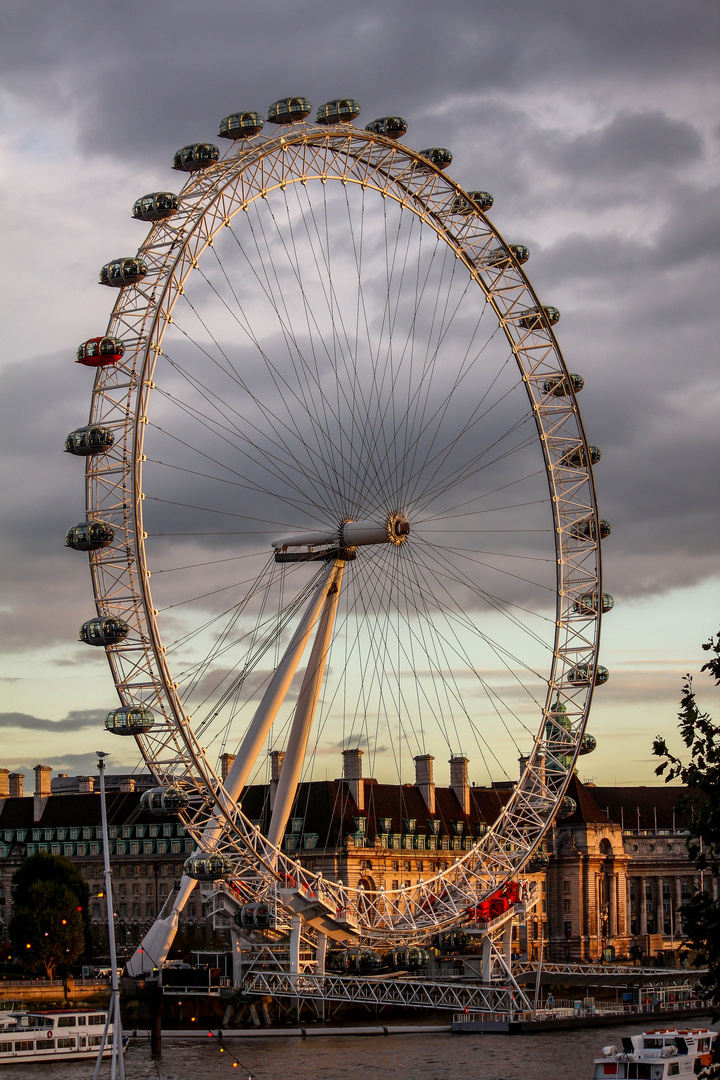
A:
{"x":614,"y":872}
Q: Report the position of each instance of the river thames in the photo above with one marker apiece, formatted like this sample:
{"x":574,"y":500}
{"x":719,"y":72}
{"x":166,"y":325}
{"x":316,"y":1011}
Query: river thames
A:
{"x":557,"y":1055}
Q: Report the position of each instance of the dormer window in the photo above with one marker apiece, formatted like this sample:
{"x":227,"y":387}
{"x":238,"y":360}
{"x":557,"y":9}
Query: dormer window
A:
{"x":410,"y":824}
{"x":360,"y":824}
{"x":434,"y":824}
{"x":296,"y":825}
{"x":385,"y":824}
{"x":458,"y":826}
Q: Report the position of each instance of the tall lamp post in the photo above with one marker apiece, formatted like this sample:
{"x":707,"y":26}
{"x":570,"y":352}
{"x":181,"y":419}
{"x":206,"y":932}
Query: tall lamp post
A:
{"x":117,"y":1062}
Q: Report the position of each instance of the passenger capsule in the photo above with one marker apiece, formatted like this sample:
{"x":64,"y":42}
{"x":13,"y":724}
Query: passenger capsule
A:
{"x":289,"y":110}
{"x":242,"y":125}
{"x":588,"y":744}
{"x":89,"y":440}
{"x":195,"y":156}
{"x":437,"y":156}
{"x":408,"y":958}
{"x":577,"y":459}
{"x":165,"y":800}
{"x":501,"y":256}
{"x":469,"y":203}
{"x":104,"y":631}
{"x":156,"y":206}
{"x":343,"y":111}
{"x":580,"y":675}
{"x":585,"y":530}
{"x":539,"y":861}
{"x":588,"y":604}
{"x":121,"y":272}
{"x":557,"y":385}
{"x":89,"y":536}
{"x":567,"y":807}
{"x":100,"y":351}
{"x":532,"y":319}
{"x":392,"y":127}
{"x":129,"y":720}
{"x":255,"y":917}
{"x":207,"y":867}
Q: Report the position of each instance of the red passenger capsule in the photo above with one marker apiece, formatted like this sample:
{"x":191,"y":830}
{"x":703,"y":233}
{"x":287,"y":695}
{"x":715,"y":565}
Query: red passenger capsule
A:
{"x":97,"y":352}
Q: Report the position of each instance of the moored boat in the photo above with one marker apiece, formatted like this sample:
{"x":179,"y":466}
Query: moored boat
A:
{"x":657,"y":1054}
{"x":52,"y":1036}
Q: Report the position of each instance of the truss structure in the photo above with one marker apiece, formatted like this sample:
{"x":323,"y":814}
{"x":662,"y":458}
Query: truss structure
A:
{"x":122,"y":400}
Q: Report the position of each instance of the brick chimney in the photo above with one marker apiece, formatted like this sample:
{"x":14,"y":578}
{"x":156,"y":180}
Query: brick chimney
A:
{"x":459,"y":780}
{"x":276,"y":763}
{"x":4,"y":783}
{"x":15,"y":784}
{"x":86,"y":785}
{"x":226,"y":761}
{"x":352,"y":775}
{"x":42,"y":789}
{"x":424,"y":780}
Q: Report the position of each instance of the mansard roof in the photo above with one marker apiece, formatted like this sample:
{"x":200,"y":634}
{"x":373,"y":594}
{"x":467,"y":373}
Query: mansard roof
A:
{"x":76,"y":811}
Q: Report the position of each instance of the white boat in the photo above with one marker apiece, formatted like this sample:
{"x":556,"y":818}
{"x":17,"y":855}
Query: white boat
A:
{"x":655,"y":1055}
{"x":52,"y":1036}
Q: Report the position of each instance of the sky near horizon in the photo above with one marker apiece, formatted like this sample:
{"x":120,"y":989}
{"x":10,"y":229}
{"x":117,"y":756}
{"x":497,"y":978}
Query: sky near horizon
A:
{"x":596,"y":129}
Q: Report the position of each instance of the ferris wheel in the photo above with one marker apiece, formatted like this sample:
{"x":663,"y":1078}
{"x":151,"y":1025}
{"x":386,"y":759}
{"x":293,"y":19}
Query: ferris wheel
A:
{"x":338,"y":495}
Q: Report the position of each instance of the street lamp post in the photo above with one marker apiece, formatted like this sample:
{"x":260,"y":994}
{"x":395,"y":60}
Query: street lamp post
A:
{"x":117,"y":1062}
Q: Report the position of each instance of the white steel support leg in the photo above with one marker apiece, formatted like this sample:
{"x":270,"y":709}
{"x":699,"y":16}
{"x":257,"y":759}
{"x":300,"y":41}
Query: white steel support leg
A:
{"x":486,"y":959}
{"x":321,"y":954}
{"x":507,"y":943}
{"x":305,"y":712}
{"x":156,"y":943}
{"x":295,"y":946}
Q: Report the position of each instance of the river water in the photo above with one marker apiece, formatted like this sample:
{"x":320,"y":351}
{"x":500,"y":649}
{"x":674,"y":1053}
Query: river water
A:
{"x":556,"y":1055}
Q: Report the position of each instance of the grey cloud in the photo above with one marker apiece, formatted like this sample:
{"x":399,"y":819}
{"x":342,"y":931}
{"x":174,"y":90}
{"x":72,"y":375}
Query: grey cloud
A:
{"x":76,"y":720}
{"x":630,"y":143}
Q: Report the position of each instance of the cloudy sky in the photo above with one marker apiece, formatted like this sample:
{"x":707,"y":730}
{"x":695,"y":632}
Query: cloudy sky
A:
{"x":595,"y":126}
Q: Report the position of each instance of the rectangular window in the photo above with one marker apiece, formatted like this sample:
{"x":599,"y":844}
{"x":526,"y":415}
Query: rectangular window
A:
{"x":395,"y":865}
{"x":94,"y":849}
{"x":140,"y":831}
{"x":167,"y":830}
{"x":394,"y":885}
{"x":98,"y":1019}
{"x":87,"y":834}
{"x":66,"y":1021}
{"x":566,"y":905}
{"x":24,"y":1044}
{"x":161,"y":847}
{"x":148,"y":847}
{"x":566,"y":886}
{"x":153,"y":831}
{"x":68,"y":849}
{"x":65,"y":1044}
{"x":134,"y":849}
{"x":5,"y":1047}
{"x":55,"y":849}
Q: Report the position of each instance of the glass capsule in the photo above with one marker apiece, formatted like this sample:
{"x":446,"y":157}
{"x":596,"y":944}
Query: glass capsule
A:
{"x":567,"y":807}
{"x":585,"y":530}
{"x":437,"y":156}
{"x":500,"y":256}
{"x":392,"y":127}
{"x":156,"y":206}
{"x":100,"y":351}
{"x":588,"y":744}
{"x":580,"y":675}
{"x":587,"y":604}
{"x":129,"y":720}
{"x":557,"y":385}
{"x":121,"y":272}
{"x":256,"y":916}
{"x":463,"y":204}
{"x":242,"y":125}
{"x":202,"y":866}
{"x":92,"y":439}
{"x":577,"y":459}
{"x":109,"y":630}
{"x":89,"y":536}
{"x":532,"y":319}
{"x":165,"y":800}
{"x":288,"y":110}
{"x":195,"y":156}
{"x":342,"y":111}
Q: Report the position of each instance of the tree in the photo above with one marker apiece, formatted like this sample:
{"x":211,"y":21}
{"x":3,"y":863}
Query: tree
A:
{"x":56,"y":870}
{"x":701,"y":775}
{"x":48,"y":930}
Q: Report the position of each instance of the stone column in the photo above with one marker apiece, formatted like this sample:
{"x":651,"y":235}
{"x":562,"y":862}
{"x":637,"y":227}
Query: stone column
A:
{"x":611,"y":880}
{"x":677,"y":918}
{"x":643,"y":908}
{"x":660,"y":914}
